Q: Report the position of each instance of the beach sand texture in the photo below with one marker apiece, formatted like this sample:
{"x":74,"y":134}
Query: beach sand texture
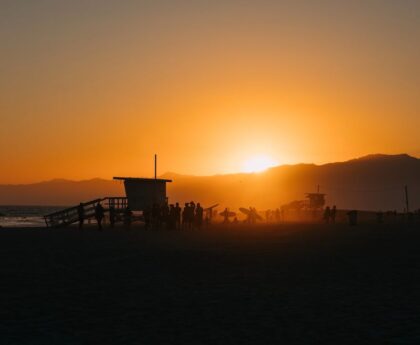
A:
{"x":272,"y":284}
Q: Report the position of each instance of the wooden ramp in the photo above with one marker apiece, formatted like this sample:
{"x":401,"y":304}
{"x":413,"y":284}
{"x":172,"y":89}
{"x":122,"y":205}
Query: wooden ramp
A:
{"x":70,"y":215}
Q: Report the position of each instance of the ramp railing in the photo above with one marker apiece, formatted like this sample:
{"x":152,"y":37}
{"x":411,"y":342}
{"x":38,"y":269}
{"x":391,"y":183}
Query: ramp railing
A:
{"x":70,"y":215}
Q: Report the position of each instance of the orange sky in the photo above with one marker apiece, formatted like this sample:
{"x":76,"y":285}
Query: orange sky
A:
{"x":95,"y":88}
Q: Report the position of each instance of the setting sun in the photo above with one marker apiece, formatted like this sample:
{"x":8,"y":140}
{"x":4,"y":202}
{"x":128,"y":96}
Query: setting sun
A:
{"x":258,"y":164}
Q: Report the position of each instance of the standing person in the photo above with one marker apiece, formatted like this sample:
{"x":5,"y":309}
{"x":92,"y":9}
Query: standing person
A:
{"x":191,"y":215}
{"x":128,"y":214}
{"x":112,"y":215}
{"x":278,"y":215}
{"x":185,"y":213}
{"x":327,"y":214}
{"x":177,"y":216}
{"x":81,"y":215}
{"x":170,"y":223}
{"x":253,"y":215}
{"x":146,"y":216}
{"x":198,"y":216}
{"x":333,"y":214}
{"x":225,"y":215}
{"x":267,"y":215}
{"x":99,"y":215}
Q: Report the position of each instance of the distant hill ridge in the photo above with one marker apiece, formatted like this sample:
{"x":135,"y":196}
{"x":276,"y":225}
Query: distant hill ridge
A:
{"x":371,"y":182}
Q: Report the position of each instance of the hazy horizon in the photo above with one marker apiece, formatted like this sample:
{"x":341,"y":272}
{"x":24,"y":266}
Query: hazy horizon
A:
{"x":367,"y":183}
{"x":162,"y":175}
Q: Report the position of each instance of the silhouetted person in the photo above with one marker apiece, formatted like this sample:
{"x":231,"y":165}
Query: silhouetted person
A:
{"x":278,"y":216}
{"x":327,"y":214}
{"x":333,"y":213}
{"x":185,"y":213}
{"x":191,"y":215}
{"x":147,"y":214}
{"x":177,"y":216}
{"x":267,"y":215}
{"x":112,"y":216}
{"x":170,"y":224}
{"x":253,"y":215}
{"x":99,"y":215}
{"x":198,"y":216}
{"x":81,"y":215}
{"x":225,"y":214}
{"x":352,"y":217}
{"x":128,"y":215}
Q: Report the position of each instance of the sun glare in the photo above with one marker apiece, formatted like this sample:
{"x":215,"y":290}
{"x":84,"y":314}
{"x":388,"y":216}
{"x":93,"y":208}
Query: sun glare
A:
{"x":258,"y":164}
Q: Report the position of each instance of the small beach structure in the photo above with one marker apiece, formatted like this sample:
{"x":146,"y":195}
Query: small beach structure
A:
{"x":141,"y":193}
{"x":316,"y":200}
{"x":144,"y":192}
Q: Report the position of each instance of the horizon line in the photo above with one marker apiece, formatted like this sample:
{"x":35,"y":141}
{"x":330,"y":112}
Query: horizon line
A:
{"x":368,"y":156}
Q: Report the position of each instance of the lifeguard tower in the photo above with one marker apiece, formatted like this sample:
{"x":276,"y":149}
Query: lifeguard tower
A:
{"x":141,"y":193}
{"x":316,"y":201}
{"x":144,"y":192}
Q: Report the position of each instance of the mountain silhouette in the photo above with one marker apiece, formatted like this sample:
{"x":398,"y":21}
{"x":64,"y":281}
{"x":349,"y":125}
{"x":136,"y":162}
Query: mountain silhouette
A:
{"x":373,"y":182}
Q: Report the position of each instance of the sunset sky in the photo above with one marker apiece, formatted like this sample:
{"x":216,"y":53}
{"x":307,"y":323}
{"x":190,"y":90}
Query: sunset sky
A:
{"x":95,"y":88}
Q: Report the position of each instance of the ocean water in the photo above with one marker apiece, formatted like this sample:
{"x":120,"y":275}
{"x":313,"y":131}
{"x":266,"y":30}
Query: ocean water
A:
{"x":25,"y":216}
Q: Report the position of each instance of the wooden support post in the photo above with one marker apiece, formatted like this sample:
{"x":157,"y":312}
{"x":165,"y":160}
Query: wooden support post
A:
{"x":155,"y":166}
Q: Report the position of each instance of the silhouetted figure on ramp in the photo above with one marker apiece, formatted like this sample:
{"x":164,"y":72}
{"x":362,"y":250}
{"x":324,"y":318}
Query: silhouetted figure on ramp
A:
{"x":147,"y":214}
{"x":128,"y":217}
{"x":99,"y":215}
{"x":112,"y":216}
{"x":81,"y":215}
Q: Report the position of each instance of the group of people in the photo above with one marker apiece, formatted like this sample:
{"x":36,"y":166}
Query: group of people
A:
{"x":173,"y":217}
{"x":329,"y":214}
{"x":99,"y":214}
{"x":273,"y":215}
{"x":191,"y":216}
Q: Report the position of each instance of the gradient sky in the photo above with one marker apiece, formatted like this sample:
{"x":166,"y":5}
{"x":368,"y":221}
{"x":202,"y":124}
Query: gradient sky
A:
{"x":95,"y":88}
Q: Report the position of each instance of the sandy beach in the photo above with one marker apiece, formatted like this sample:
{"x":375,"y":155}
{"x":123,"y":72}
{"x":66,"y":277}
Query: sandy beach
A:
{"x":288,"y":284}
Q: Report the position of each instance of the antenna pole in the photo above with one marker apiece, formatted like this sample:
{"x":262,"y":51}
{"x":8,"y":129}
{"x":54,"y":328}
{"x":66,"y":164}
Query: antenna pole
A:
{"x":406,"y":198}
{"x":155,"y":166}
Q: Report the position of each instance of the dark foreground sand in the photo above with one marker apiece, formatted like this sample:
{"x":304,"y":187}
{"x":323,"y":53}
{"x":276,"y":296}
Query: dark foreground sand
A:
{"x":287,"y":284}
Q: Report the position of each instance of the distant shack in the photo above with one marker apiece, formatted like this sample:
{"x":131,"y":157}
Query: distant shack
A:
{"x":316,"y":200}
{"x":144,"y":192}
